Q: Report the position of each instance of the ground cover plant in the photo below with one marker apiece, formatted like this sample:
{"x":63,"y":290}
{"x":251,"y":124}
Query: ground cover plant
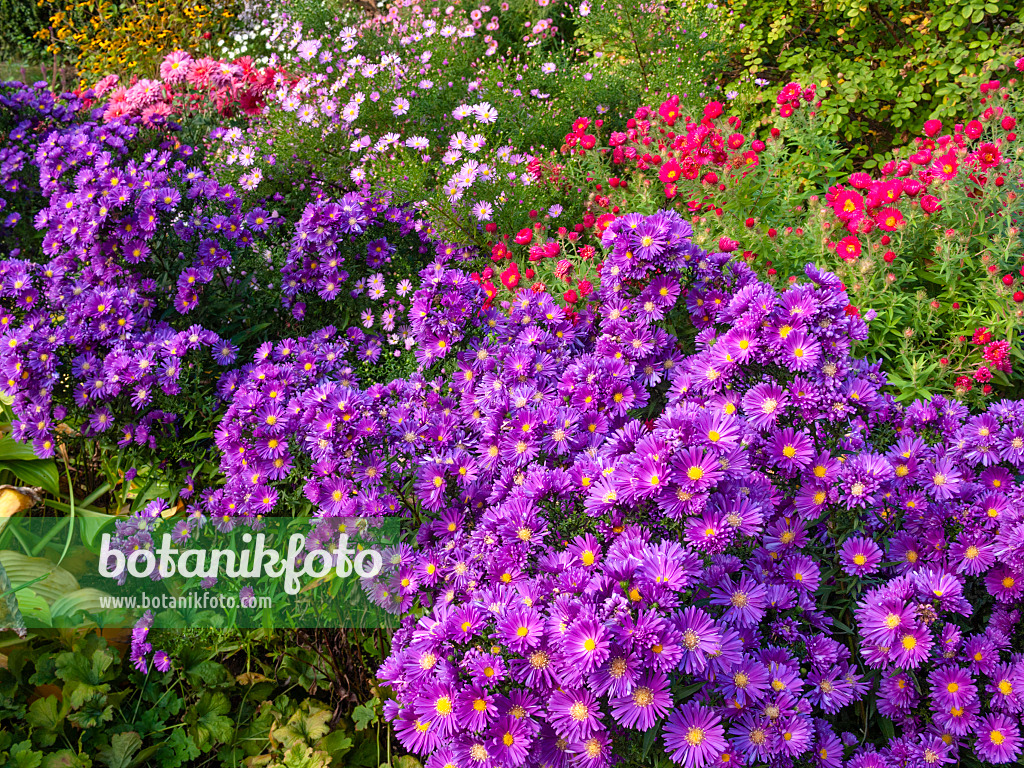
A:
{"x":705,"y":449}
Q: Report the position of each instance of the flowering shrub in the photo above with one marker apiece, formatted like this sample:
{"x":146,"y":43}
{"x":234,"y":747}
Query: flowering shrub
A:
{"x":929,"y":245}
{"x":659,"y":509}
{"x":25,"y":114}
{"x":187,"y":86}
{"x":449,"y":110}
{"x":108,"y":328}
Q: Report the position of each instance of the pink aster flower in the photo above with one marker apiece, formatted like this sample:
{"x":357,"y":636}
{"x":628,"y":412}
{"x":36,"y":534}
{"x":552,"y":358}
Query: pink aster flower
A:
{"x":175,"y":66}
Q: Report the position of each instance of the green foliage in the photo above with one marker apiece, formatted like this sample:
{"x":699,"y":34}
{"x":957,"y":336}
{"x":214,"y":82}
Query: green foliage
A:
{"x":229,"y":698}
{"x":650,"y":47}
{"x":889,"y":66}
{"x":19,"y":22}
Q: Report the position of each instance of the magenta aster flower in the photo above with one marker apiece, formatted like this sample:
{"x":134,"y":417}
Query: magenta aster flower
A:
{"x":952,"y":687}
{"x":700,"y":637}
{"x":999,"y":739}
{"x":860,"y":556}
{"x":575,"y":714}
{"x":745,"y":602}
{"x":941,"y":479}
{"x":694,"y":736}
{"x":649,"y":700}
{"x":791,"y":450}
{"x":912,"y":648}
{"x":510,"y":741}
{"x":801,"y":352}
{"x":763,"y":404}
{"x":794,"y":735}
{"x":696,"y":470}
{"x":586,"y":644}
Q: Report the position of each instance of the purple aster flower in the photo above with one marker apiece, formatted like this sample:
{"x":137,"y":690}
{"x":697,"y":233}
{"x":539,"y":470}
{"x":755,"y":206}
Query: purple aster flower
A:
{"x":763,"y":404}
{"x":999,"y":739}
{"x":693,"y":735}
{"x":574,"y":714}
{"x":699,"y":637}
{"x":860,"y":556}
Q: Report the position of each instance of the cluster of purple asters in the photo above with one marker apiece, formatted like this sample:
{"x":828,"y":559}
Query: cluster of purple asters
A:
{"x":26,"y":113}
{"x":89,"y":332}
{"x":332,"y":237}
{"x":733,"y":537}
{"x":141,"y":652}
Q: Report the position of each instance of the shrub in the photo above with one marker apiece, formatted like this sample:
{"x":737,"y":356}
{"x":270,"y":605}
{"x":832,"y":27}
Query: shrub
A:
{"x":443,"y":80}
{"x":20,"y":22}
{"x":109,"y":321}
{"x":626,"y":534}
{"x":887,"y":67}
{"x":76,"y":698}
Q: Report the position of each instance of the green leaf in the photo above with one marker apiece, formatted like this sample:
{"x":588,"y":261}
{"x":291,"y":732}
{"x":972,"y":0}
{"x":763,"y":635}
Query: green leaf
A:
{"x":123,"y":747}
{"x":85,"y":675}
{"x":45,"y":717}
{"x":842,"y":627}
{"x":306,"y":726}
{"x":336,"y":744}
{"x":208,"y":722}
{"x":365,"y":714}
{"x":93,"y":712}
{"x":650,"y":736}
{"x":11,"y":449}
{"x":41,"y":473}
{"x":23,"y":756}
{"x":689,"y":690}
{"x":65,"y":758}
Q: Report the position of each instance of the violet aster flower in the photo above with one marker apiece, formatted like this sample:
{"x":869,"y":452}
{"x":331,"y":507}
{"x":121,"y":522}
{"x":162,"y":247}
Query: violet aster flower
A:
{"x":575,"y":714}
{"x":694,"y":736}
{"x":860,"y":556}
{"x":649,"y":700}
{"x":998,"y":739}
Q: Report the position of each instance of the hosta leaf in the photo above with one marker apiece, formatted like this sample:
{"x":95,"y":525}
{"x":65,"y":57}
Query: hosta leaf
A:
{"x":38,"y":473}
{"x":12,"y":449}
{"x":45,"y":578}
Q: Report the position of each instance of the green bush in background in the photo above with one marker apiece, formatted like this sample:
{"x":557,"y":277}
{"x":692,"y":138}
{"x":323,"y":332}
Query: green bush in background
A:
{"x":19,"y":21}
{"x":889,"y":65}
